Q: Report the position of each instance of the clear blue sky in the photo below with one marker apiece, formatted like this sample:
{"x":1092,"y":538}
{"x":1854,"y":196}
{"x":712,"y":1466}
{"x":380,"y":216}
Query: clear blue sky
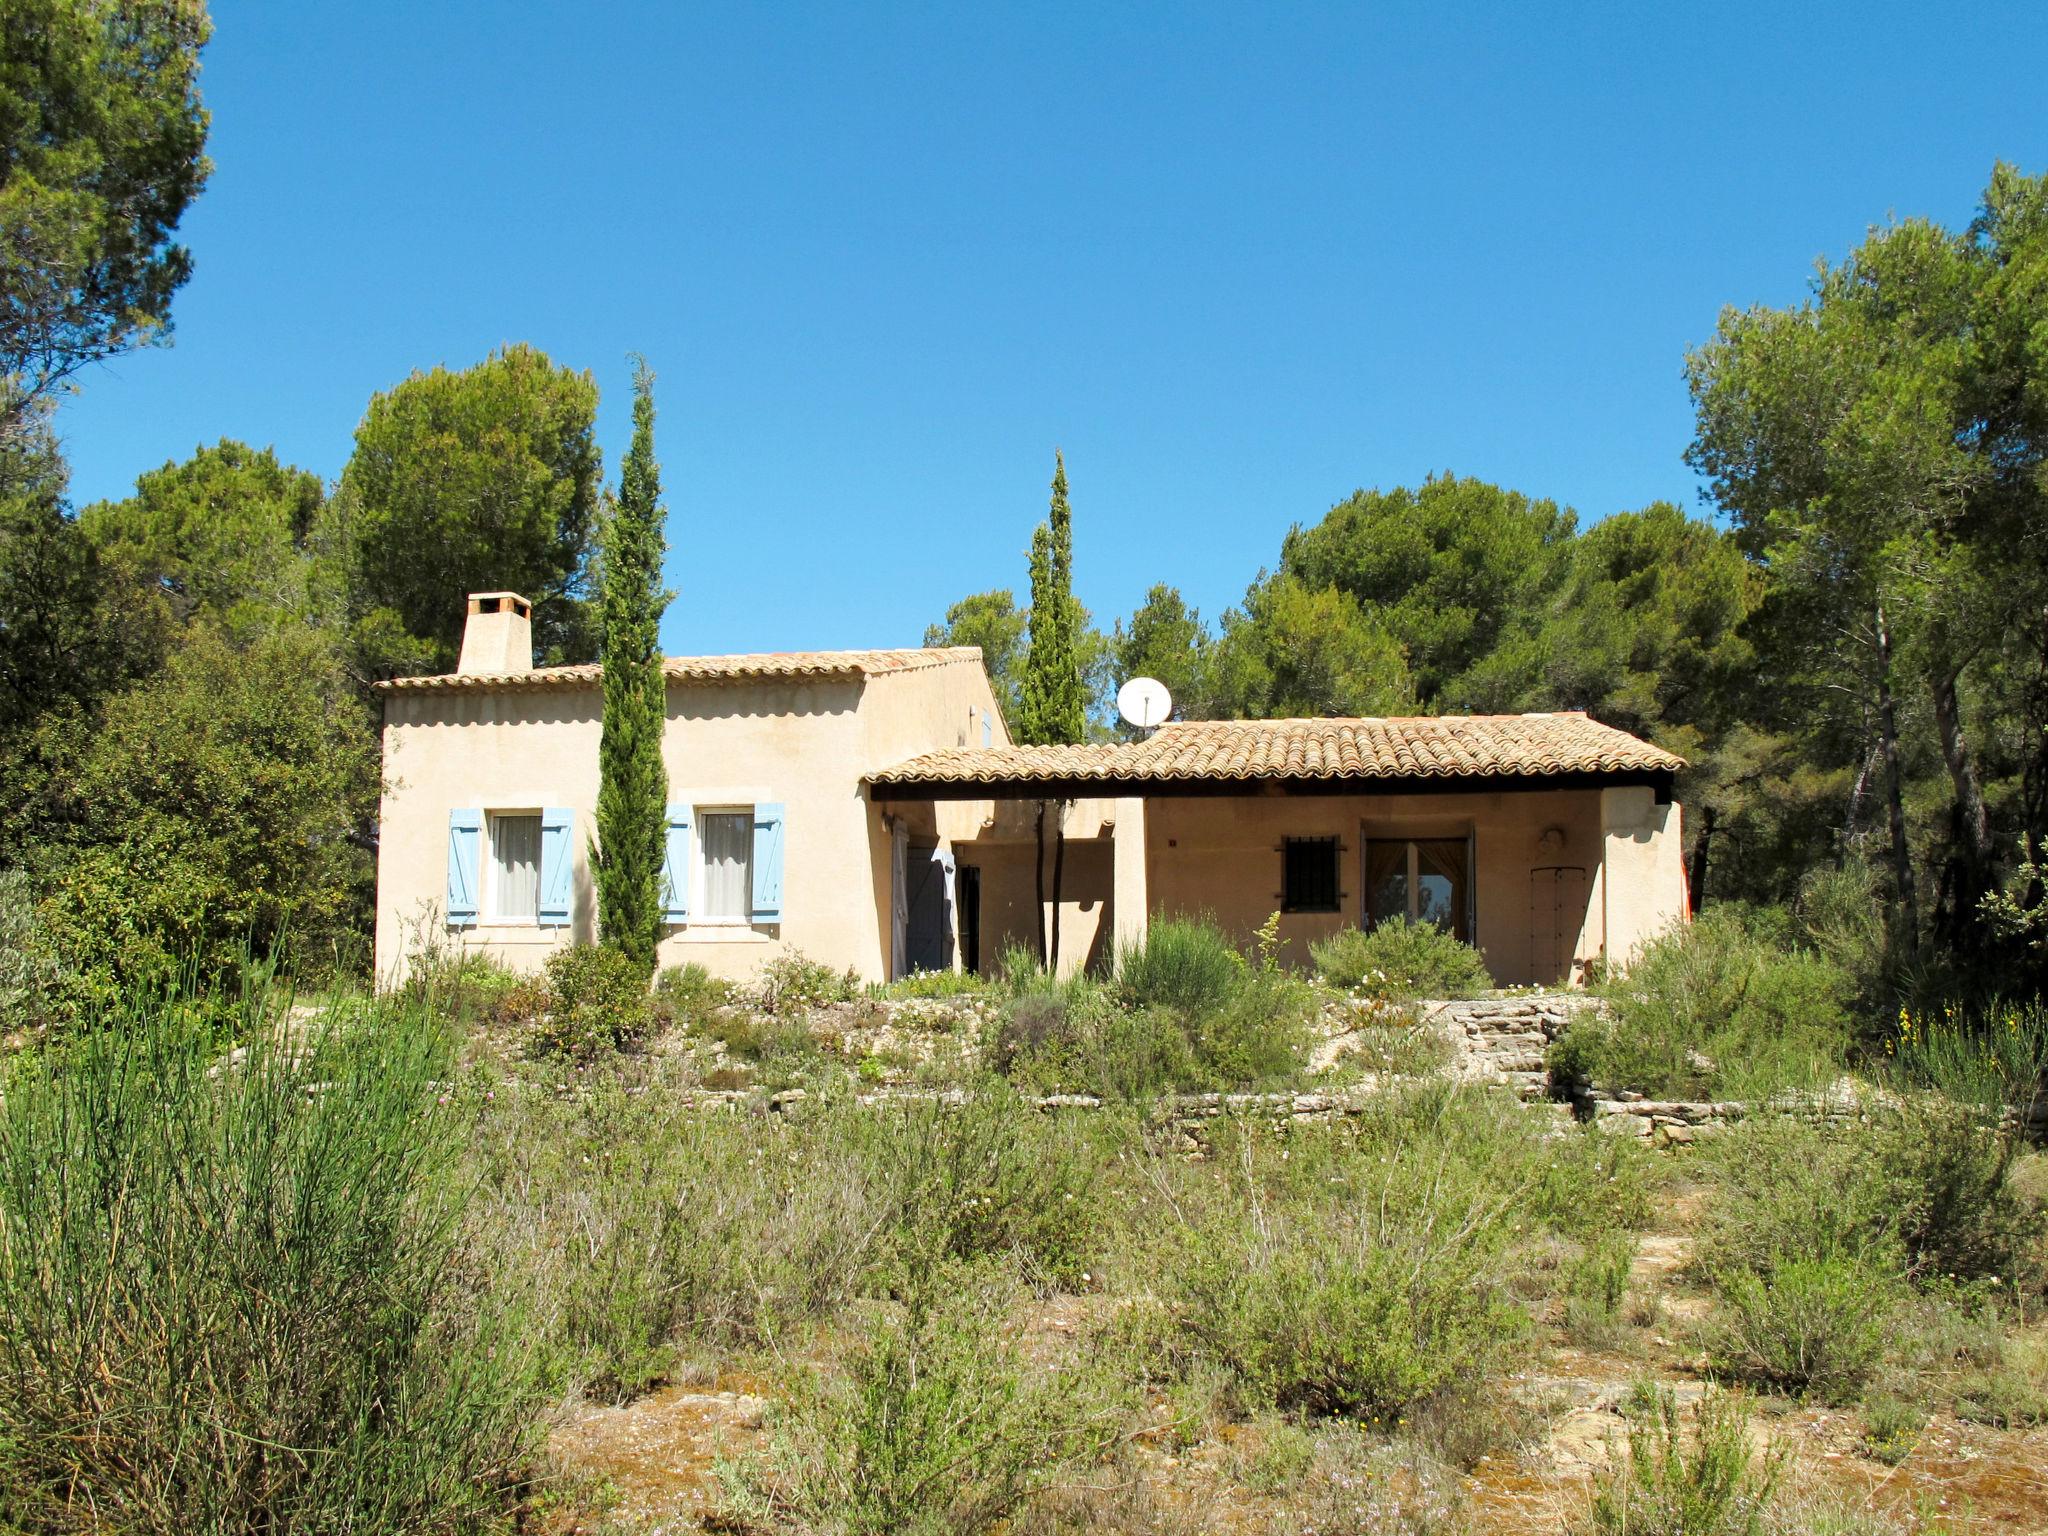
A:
{"x":1236,"y":261}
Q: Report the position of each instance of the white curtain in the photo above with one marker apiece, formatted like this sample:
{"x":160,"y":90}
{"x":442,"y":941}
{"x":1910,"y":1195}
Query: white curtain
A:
{"x":728,"y":864}
{"x":899,"y":899}
{"x":515,"y":855}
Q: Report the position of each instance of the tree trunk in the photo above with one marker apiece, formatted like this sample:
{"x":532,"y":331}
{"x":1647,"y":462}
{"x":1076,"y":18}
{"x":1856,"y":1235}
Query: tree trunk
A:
{"x":1974,"y":824}
{"x":1696,"y":878}
{"x":1895,"y":798}
{"x":1856,"y":793}
{"x":1038,"y":873}
{"x":1059,"y":860}
{"x":1970,"y":866}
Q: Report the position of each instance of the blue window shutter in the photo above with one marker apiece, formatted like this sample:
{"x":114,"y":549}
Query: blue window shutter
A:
{"x":465,"y":843}
{"x":988,"y":731}
{"x":557,"y":864}
{"x":768,"y":863}
{"x":675,"y":868}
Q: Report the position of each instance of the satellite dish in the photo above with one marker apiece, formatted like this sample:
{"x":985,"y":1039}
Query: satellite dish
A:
{"x":1144,"y":702}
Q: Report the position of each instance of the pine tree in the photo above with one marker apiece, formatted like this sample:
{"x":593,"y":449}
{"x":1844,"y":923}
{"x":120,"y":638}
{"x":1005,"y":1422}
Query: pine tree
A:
{"x":1052,"y":703}
{"x":632,"y":791}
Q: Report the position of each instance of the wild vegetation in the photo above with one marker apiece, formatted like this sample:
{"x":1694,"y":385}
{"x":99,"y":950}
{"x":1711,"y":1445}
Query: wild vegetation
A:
{"x":482,"y":1211}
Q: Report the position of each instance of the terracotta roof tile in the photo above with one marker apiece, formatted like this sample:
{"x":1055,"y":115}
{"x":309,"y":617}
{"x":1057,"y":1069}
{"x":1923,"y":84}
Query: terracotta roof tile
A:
{"x":764,"y":666}
{"x":1446,"y":746}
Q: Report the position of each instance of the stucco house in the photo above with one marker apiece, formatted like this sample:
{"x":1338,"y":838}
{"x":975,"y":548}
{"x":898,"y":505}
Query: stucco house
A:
{"x":869,"y":809}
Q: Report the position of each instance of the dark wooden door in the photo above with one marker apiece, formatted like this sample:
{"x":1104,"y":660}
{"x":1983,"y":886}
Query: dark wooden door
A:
{"x":928,"y":943}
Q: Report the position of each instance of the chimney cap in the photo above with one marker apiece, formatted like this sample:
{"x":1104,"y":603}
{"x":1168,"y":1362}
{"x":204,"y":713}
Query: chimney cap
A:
{"x":495,"y":602}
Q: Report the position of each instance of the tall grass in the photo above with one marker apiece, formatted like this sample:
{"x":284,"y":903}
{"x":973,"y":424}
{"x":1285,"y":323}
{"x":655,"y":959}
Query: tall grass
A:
{"x":1989,"y":1058}
{"x":233,"y":1294}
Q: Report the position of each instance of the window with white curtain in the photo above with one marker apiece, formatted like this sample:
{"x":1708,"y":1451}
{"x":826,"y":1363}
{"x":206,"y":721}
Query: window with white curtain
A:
{"x":515,"y":868}
{"x":727,"y":838}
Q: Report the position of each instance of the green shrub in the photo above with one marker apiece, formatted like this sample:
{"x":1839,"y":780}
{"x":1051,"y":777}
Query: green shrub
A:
{"x":234,"y":1294}
{"x":1258,"y":1035}
{"x":1709,"y":1482}
{"x":1840,"y":912}
{"x":1596,"y":1285}
{"x":791,"y":983}
{"x":28,"y":964}
{"x":2011,"y":1392}
{"x":1017,"y":969}
{"x":688,"y":992}
{"x":1945,"y":1174}
{"x":935,"y":1424}
{"x":597,"y":1003}
{"x":647,"y":1229}
{"x":1357,"y":1269}
{"x":1401,"y":961}
{"x":986,"y":1178}
{"x":780,"y":1048}
{"x":470,"y":986}
{"x":1811,"y":1326}
{"x":1184,"y":965}
{"x":1782,"y":1185}
{"x":1923,"y":1190}
{"x":1891,"y":1427}
{"x":1079,"y":1036}
{"x":1714,"y":1009}
{"x":213,"y":809}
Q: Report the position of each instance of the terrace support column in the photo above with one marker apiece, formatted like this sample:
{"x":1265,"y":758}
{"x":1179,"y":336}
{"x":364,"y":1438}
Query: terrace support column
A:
{"x":1129,"y":905}
{"x":1642,"y":870}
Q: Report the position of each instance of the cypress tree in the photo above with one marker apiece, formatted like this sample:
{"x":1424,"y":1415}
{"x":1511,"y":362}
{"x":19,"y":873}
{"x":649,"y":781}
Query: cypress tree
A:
{"x":1052,"y":704}
{"x":632,"y":796}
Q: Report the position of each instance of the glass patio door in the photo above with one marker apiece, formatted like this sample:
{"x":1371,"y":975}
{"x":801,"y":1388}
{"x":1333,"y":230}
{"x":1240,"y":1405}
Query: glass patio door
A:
{"x":1424,"y":879}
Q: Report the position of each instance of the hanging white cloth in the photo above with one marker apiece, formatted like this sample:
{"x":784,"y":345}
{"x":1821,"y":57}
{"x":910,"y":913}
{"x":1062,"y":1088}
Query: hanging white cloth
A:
{"x":899,"y":898}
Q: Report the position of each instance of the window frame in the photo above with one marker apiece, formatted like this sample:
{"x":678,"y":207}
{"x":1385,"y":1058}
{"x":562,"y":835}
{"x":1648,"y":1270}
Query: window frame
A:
{"x":1334,"y":845}
{"x":700,"y":882}
{"x":1468,"y":918}
{"x":490,"y":908}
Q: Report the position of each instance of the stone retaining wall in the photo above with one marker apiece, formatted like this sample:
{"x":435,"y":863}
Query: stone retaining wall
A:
{"x":1500,"y":1040}
{"x":1504,"y":1040}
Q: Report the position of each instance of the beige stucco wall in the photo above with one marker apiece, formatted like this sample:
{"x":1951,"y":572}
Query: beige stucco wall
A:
{"x":807,"y":744}
{"x":1222,"y":856}
{"x":1641,"y":889}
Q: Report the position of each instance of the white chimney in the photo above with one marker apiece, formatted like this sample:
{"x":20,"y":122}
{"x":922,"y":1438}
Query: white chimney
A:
{"x":497,"y":637}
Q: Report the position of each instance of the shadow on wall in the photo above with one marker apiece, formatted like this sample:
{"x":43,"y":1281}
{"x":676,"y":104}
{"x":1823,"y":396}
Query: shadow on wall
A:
{"x":759,"y":701}
{"x":585,"y":706}
{"x":583,"y":910}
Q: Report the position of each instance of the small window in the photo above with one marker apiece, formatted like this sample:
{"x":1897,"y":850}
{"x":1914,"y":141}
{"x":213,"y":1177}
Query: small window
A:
{"x":727,"y":838}
{"x":1311,"y":875}
{"x":515,"y":869}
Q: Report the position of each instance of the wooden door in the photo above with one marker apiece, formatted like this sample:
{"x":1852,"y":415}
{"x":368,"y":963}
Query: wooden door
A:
{"x":1557,"y":913}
